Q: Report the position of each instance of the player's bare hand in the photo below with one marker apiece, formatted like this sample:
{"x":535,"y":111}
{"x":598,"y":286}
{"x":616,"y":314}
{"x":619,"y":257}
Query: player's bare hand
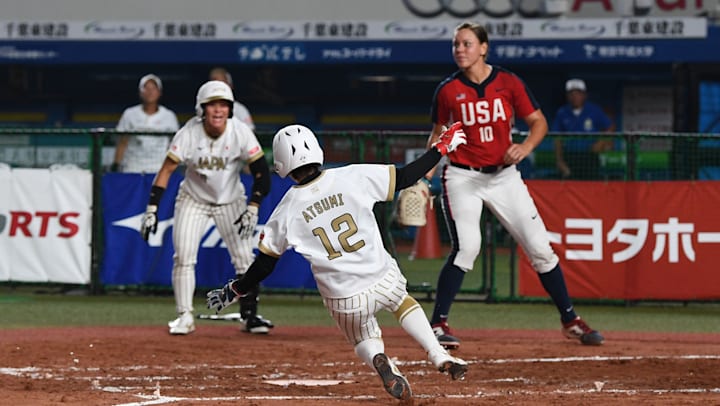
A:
{"x":516,"y":153}
{"x":247,"y":221}
{"x":149,"y":222}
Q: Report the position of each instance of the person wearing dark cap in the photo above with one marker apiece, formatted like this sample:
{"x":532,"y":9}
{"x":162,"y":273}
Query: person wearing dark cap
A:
{"x":577,"y":158}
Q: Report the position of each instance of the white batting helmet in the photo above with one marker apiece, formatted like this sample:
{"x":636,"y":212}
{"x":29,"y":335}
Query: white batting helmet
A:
{"x":213,"y":90}
{"x":295,"y":146}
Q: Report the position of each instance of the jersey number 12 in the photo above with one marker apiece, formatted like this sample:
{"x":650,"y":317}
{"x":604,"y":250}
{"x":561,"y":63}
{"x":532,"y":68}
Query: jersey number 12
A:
{"x":346,"y":227}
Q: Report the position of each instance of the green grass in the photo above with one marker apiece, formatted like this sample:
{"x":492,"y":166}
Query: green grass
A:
{"x":46,"y":305}
{"x":24,"y":307}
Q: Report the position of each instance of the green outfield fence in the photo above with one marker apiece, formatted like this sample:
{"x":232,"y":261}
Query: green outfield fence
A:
{"x":634,"y":156}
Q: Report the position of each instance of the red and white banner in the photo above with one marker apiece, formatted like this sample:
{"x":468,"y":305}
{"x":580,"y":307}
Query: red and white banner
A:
{"x":45,"y":225}
{"x":631,"y":240}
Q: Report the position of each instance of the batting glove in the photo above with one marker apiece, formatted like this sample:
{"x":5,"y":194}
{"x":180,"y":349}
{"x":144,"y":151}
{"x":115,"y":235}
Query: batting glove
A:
{"x":149,"y":222}
{"x":219,"y":299}
{"x":450,"y":139}
{"x":248,"y":220}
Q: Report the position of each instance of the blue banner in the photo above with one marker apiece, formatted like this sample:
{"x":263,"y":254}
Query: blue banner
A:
{"x":130,"y":260}
{"x":503,"y":51}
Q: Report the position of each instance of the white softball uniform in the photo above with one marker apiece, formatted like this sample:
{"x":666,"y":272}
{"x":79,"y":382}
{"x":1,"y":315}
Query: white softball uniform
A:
{"x":507,"y":196}
{"x":213,"y":164}
{"x":330,"y":222}
{"x":144,"y":151}
{"x":211,"y":189}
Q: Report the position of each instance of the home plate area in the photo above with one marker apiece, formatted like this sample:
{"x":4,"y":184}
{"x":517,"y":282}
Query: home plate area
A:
{"x":217,"y":364}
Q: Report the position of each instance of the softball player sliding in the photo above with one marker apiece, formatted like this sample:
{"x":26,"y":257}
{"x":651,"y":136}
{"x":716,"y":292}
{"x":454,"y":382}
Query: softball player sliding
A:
{"x":486,"y":99}
{"x":214,"y":147}
{"x":328,"y":218}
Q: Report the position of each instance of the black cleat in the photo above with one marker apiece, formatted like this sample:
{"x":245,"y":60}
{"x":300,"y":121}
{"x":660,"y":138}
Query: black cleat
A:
{"x":394,"y":382}
{"x":579,"y":330}
{"x":445,"y":338}
{"x":257,"y":325}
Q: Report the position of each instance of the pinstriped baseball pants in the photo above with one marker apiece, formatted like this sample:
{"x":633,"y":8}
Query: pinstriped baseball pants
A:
{"x":355,"y":315}
{"x":191,"y":219}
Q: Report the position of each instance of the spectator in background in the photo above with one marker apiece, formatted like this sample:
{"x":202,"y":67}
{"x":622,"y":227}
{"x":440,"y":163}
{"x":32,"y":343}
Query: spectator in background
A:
{"x":140,"y":153}
{"x":239,"y":110}
{"x":578,"y":158}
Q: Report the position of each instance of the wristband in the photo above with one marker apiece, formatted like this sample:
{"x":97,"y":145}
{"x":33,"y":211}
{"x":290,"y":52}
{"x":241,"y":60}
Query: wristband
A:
{"x":256,"y":197}
{"x":156,"y":193}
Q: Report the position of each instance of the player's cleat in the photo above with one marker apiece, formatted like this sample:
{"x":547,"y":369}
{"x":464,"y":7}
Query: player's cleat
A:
{"x":184,"y":324}
{"x":579,"y":330}
{"x":455,"y":367}
{"x":256,"y":325}
{"x":444,"y":336}
{"x":394,"y":382}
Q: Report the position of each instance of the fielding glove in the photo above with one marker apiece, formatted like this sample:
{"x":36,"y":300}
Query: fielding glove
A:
{"x":219,"y":299}
{"x":450,"y":139}
{"x":149,"y":222}
{"x":412,"y":204}
{"x":248,"y":220}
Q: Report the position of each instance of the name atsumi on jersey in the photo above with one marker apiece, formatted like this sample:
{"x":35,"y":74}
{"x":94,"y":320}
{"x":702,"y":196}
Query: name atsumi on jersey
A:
{"x":322,"y":206}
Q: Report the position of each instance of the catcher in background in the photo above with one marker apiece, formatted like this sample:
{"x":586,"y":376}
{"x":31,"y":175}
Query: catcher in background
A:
{"x":214,"y":146}
{"x":328,"y":218}
{"x":486,"y":99}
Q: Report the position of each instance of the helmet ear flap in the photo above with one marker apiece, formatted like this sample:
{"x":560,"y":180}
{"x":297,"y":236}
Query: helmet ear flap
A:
{"x":200,"y":111}
{"x":231,"y":106}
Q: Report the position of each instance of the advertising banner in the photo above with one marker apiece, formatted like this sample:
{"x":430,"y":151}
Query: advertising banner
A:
{"x":671,"y":27}
{"x":427,"y":10}
{"x":612,"y":40}
{"x":45,"y":225}
{"x":631,"y":240}
{"x":404,"y":52}
{"x":130,"y":260}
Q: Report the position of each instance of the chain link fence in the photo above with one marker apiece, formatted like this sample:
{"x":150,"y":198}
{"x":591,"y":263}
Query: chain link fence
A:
{"x":624,"y":156}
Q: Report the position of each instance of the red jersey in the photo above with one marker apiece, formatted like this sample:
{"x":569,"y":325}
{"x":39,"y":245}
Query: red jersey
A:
{"x":486,"y":111}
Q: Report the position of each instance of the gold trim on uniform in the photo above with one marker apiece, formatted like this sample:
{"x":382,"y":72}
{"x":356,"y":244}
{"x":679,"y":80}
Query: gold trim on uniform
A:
{"x":391,"y":190}
{"x":267,"y":251}
{"x":173,"y":157}
{"x":255,"y":157}
{"x":408,"y":305}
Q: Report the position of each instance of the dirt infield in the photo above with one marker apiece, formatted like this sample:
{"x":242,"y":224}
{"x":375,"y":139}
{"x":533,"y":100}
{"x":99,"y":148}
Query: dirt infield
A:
{"x":218,"y":364}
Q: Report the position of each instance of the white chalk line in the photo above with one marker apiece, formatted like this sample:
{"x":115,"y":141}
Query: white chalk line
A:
{"x":153,"y":400}
{"x":156,"y":398}
{"x":600,"y":358}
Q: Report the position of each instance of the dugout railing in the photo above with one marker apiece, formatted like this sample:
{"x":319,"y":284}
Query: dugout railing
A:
{"x":633,"y":156}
